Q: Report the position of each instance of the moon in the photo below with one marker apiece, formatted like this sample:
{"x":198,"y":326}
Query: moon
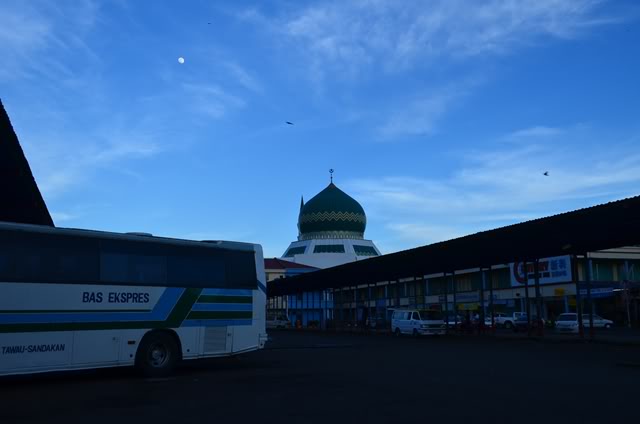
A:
{"x":181,"y":60}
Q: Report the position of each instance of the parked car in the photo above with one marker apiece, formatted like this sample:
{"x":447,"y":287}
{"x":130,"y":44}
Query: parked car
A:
{"x":451,"y":321}
{"x":498,"y":318}
{"x":568,"y":323}
{"x":278,"y":321}
{"x":376,"y":322}
{"x":521,"y":323}
{"x":503,"y":319}
{"x":417,"y":322}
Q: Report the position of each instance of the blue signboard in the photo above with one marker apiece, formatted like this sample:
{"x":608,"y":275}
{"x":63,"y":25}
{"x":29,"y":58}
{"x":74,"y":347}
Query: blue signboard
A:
{"x":598,"y":292}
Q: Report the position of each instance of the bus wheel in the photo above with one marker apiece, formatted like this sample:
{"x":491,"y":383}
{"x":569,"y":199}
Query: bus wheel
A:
{"x":157,"y":355}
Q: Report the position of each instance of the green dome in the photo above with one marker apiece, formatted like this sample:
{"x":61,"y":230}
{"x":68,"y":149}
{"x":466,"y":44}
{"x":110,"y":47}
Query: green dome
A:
{"x":332,"y":213}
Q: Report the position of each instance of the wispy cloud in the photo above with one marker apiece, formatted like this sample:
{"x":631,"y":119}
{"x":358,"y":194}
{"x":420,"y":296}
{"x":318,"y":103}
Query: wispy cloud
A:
{"x":505,"y":185}
{"x":212,"y":100}
{"x":347,"y":36}
{"x":420,"y":233}
{"x":37,"y":37}
{"x":536,"y":131}
{"x":64,"y":160}
{"x":422,"y":112}
{"x":243,"y":77}
{"x":418,"y":118}
{"x":360,"y":41}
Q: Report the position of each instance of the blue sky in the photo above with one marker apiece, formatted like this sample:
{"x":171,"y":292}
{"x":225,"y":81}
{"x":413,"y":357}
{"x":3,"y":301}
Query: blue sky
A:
{"x":440,"y":117}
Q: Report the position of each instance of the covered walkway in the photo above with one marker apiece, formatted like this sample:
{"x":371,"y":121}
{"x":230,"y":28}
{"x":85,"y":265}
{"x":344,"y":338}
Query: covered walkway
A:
{"x":475,"y":273}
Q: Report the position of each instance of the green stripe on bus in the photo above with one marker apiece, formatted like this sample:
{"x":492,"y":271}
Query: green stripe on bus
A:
{"x":183,"y":307}
{"x":67,"y":311}
{"x":220,"y":315}
{"x":224,"y":299}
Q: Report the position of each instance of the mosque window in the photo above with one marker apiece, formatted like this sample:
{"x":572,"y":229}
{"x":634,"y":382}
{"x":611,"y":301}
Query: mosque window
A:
{"x":295,"y":251}
{"x":364,"y":250}
{"x":329,"y":248}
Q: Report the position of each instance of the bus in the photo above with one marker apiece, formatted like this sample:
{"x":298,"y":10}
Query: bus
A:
{"x":75,"y":299}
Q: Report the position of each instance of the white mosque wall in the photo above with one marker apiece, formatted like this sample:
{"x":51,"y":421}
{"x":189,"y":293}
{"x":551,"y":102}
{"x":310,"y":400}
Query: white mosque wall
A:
{"x":326,"y":260}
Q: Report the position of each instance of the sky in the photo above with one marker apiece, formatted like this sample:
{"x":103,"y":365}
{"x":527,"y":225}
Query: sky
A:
{"x":440,"y":117}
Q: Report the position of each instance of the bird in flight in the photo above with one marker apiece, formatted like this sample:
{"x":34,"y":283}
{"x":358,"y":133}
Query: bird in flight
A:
{"x":289,"y":123}
{"x":546,"y":173}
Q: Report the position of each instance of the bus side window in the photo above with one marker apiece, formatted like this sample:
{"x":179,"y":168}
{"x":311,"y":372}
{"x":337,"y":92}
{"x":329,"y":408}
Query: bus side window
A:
{"x":48,"y":258}
{"x":196,"y":270}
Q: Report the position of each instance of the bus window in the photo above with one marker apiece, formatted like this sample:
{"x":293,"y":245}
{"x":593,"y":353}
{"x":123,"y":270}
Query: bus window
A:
{"x":47,"y":258}
{"x":240,"y":269}
{"x":196,"y":270}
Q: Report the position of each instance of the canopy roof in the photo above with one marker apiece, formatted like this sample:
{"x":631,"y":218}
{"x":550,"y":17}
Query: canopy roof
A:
{"x":600,"y":227}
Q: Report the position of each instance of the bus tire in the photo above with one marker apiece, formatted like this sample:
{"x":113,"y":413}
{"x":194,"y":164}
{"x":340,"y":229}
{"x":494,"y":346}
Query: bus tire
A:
{"x":158,"y":354}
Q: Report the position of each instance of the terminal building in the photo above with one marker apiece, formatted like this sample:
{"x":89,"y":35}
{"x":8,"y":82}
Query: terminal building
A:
{"x":579,"y":264}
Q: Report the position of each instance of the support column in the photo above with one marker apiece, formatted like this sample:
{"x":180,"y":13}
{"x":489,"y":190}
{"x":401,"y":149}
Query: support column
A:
{"x":482,"y":314}
{"x":455,"y":300}
{"x":536,"y":273}
{"x":355,"y":306}
{"x":306,"y":311}
{"x":386,"y":301}
{"x":592,"y":330}
{"x":368,"y":320}
{"x":527,"y":305}
{"x":375,"y":306}
{"x":574,"y":275}
{"x":627,"y":299}
{"x":446,"y":299}
{"x":294,"y":306}
{"x":491,"y":305}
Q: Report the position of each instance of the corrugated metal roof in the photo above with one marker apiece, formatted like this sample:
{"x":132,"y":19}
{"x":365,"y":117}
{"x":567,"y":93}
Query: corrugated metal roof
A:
{"x":605,"y":226}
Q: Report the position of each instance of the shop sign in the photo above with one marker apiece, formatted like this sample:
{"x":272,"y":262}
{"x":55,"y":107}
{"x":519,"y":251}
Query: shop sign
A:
{"x":598,"y":292}
{"x":551,"y":270}
{"x":468,"y":306}
{"x":463,"y":297}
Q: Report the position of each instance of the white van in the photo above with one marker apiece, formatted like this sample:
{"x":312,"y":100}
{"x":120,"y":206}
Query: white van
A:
{"x":417,"y":322}
{"x":277,"y":320}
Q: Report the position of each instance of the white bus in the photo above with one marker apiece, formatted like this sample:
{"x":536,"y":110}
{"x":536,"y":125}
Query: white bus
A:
{"x":74,"y":299}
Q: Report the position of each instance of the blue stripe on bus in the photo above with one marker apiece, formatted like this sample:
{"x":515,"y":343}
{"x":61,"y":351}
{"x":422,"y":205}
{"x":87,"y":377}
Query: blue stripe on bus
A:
{"x":215,"y":322}
{"x":159,"y":313}
{"x":262,"y":287}
{"x":167,"y":301}
{"x":222,"y":307}
{"x":227,"y":292}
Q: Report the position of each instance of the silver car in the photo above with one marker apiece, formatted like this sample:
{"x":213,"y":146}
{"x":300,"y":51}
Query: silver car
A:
{"x":568,"y":323}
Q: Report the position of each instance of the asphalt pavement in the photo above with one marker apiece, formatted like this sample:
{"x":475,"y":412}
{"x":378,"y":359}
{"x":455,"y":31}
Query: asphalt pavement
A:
{"x":307,"y":377}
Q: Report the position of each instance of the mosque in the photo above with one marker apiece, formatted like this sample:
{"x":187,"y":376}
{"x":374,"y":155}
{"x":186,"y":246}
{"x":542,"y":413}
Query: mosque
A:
{"x":330,"y":231}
